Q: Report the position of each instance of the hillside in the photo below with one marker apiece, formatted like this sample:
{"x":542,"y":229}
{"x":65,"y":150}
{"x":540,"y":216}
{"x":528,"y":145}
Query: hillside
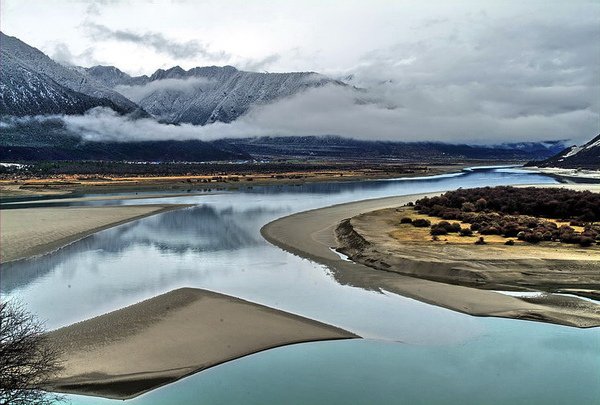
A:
{"x":204,"y":95}
{"x":31,"y":83}
{"x":574,"y":157}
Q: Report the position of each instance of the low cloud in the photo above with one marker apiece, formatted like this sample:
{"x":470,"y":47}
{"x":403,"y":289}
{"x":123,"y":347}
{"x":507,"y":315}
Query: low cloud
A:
{"x":139,"y":92}
{"x":257,"y":65}
{"x":506,"y":82}
{"x":156,"y":41}
{"x":63,"y":55}
{"x":333,"y":110}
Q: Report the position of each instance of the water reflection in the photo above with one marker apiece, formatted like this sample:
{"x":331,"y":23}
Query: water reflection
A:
{"x":490,"y":370}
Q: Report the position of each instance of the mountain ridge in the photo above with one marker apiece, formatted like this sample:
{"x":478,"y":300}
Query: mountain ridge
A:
{"x":218,"y":94}
{"x":586,"y":156}
{"x":31,"y":77}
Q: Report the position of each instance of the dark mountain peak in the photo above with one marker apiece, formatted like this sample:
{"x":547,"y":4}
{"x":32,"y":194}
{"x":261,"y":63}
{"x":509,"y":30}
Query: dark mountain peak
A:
{"x":593,"y":142}
{"x":102,"y":69}
{"x":176,"y":72}
{"x":575,"y":157}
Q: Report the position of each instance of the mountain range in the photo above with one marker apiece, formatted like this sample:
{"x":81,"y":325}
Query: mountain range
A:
{"x":204,"y":95}
{"x":31,"y":83}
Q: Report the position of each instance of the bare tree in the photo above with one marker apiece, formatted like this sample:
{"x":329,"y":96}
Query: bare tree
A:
{"x":27,"y":359}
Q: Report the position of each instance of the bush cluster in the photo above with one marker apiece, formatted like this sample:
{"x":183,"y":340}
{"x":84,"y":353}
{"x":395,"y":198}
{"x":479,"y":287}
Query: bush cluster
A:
{"x":421,"y":223}
{"x":513,"y":212}
{"x":582,"y":206}
{"x":445,"y":227}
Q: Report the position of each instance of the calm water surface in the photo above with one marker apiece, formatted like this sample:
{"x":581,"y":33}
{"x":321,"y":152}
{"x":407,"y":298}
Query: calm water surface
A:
{"x":416,"y":353}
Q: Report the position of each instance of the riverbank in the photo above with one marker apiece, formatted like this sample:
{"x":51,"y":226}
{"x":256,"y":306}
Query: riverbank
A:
{"x":311,"y":234}
{"x":65,"y":185}
{"x":127,"y":352}
{"x":29,"y":232}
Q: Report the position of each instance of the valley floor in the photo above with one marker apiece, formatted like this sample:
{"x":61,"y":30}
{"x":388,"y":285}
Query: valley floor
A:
{"x":19,"y":186}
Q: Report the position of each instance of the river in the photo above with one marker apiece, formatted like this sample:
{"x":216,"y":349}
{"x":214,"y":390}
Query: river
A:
{"x":413,"y":352}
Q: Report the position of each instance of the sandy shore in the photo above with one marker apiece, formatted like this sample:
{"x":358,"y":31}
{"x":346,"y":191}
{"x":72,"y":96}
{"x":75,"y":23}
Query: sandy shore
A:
{"x":28,"y":232}
{"x":135,"y":349}
{"x":311,"y":234}
{"x":135,"y":196}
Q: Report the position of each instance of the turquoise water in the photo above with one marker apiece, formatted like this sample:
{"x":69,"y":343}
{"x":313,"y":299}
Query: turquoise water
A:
{"x":415,"y":352}
{"x":512,"y":363}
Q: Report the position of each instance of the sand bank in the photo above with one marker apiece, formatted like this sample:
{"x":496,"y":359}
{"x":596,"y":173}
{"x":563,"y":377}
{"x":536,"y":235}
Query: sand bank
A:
{"x":33,"y":231}
{"x":104,"y":198}
{"x":311,"y":234}
{"x":130,"y":351}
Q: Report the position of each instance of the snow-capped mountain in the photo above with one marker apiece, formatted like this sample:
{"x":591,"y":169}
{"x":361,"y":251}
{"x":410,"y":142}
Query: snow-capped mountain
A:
{"x":575,"y":157}
{"x":204,"y":95}
{"x":32,"y":83}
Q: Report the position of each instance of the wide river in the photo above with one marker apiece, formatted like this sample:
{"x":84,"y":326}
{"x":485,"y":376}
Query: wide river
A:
{"x":414,"y":353}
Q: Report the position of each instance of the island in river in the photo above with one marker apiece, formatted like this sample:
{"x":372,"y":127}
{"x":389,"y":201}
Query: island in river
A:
{"x":443,"y":274}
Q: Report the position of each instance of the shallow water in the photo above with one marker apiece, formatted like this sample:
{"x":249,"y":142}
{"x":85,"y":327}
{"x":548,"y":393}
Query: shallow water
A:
{"x":217,"y":245}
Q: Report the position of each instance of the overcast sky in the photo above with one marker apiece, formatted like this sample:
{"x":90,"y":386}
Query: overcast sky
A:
{"x":459,"y":70}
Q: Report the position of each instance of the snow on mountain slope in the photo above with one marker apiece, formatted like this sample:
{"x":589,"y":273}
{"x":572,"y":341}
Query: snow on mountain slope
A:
{"x":25,"y":92}
{"x":28,"y":73}
{"x":204,"y":95}
{"x":574,"y":157}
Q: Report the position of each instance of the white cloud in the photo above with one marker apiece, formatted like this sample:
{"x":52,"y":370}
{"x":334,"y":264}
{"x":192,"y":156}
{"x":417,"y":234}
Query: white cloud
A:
{"x":139,"y":92}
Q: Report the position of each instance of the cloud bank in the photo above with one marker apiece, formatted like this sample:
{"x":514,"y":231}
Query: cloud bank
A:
{"x":470,"y":77}
{"x":156,"y":41}
{"x":139,"y":92}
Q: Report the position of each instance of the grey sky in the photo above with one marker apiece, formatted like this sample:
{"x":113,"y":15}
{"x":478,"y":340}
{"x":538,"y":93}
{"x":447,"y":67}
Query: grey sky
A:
{"x":459,"y":70}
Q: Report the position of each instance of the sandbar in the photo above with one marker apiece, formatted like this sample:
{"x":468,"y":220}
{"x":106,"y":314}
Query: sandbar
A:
{"x":29,"y":232}
{"x":127,"y":352}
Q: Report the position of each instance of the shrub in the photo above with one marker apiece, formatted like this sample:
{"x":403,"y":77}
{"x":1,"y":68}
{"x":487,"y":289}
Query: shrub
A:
{"x":438,"y":230}
{"x":468,"y":207}
{"x":465,"y":232}
{"x":406,"y":220}
{"x":510,"y":242}
{"x":421,"y":223}
{"x":480,"y":241}
{"x":454,"y":227}
{"x":489,"y":230}
{"x":585,"y":241}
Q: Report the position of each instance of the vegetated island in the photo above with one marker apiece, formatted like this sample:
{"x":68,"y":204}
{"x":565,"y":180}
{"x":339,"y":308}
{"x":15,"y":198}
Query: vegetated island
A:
{"x":413,"y":269}
{"x":500,"y":238}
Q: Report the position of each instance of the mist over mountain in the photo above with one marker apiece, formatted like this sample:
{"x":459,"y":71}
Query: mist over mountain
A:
{"x":61,"y":111}
{"x":204,"y":95}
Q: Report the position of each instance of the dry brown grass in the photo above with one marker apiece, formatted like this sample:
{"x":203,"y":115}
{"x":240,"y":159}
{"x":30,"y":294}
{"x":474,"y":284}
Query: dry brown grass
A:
{"x":408,"y":234}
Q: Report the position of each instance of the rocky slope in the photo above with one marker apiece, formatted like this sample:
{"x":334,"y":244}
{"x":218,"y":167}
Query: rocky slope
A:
{"x":575,"y":157}
{"x":31,"y":83}
{"x":204,"y":95}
